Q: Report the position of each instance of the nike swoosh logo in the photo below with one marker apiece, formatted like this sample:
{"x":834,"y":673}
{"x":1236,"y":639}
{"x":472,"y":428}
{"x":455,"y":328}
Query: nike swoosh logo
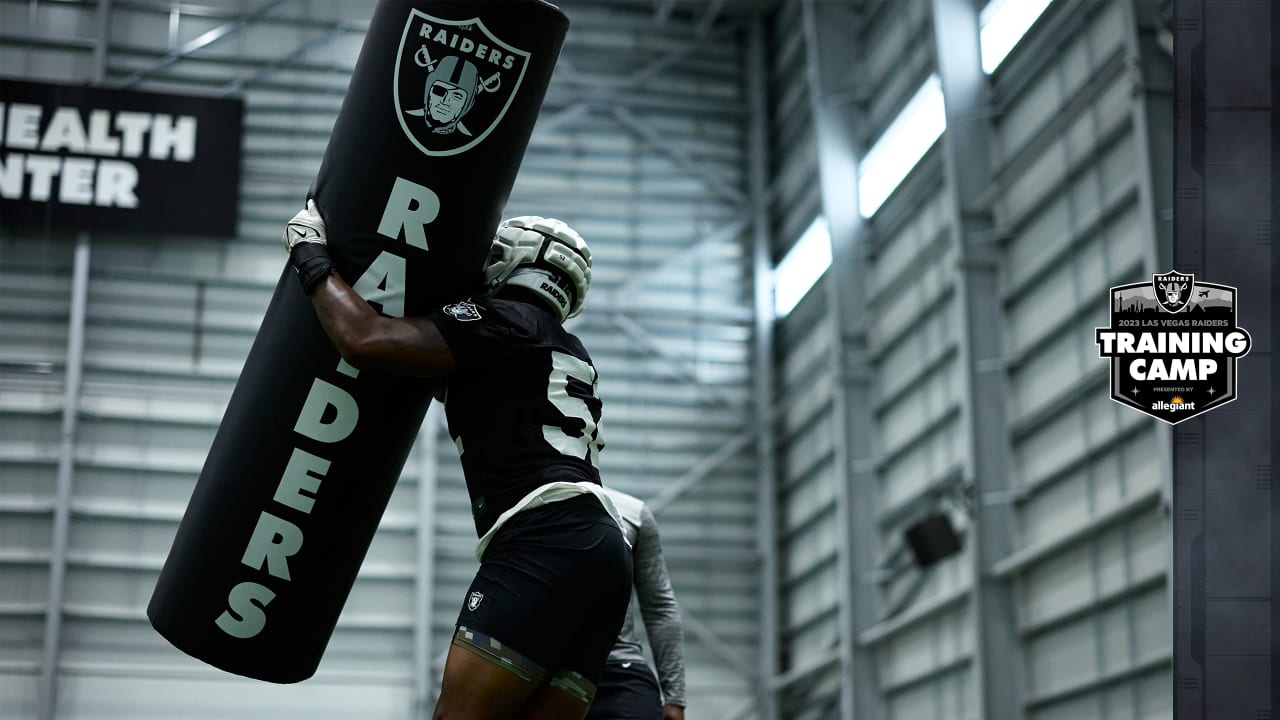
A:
{"x":626,"y":665}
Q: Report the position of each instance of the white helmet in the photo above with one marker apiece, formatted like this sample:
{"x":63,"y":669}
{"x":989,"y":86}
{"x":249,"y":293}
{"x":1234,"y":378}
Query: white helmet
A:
{"x":544,"y":255}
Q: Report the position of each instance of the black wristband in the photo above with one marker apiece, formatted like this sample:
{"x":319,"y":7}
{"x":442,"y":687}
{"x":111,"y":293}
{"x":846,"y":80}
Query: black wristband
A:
{"x":312,"y":262}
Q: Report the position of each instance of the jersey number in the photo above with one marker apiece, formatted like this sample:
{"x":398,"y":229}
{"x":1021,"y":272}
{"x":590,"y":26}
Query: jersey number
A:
{"x":571,"y":403}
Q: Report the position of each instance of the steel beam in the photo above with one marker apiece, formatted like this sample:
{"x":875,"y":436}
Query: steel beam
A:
{"x":829,"y":60}
{"x":72,"y":379}
{"x":550,"y":123}
{"x":424,"y":676}
{"x":998,"y":663}
{"x":175,"y":22}
{"x":239,"y":84}
{"x":103,"y":43}
{"x":606,"y":91}
{"x":701,"y":471}
{"x":763,"y":368}
{"x":203,"y":40}
{"x":1152,"y":112}
{"x":716,"y":184}
{"x":712,"y":642}
{"x":657,"y":67}
{"x":641,"y":337}
{"x":725,"y":232}
{"x":65,"y":479}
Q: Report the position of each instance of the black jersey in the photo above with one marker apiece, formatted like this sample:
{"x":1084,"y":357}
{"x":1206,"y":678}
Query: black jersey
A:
{"x":522,"y":403}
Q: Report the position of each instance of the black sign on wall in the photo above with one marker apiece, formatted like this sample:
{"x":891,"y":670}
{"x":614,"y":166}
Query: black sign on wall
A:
{"x":88,"y":158}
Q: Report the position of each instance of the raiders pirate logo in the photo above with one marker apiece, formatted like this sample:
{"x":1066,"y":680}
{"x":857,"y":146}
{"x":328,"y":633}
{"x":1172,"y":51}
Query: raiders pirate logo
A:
{"x":1173,"y":290}
{"x":464,"y":311}
{"x":473,"y":600}
{"x":454,"y":82}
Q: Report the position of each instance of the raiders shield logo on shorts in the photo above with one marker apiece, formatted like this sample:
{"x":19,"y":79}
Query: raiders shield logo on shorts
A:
{"x":473,"y":600}
{"x":454,"y":82}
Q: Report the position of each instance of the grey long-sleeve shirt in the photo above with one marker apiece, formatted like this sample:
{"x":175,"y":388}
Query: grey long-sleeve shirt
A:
{"x":657,"y":602}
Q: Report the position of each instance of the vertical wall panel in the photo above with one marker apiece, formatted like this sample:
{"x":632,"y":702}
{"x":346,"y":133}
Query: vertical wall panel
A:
{"x":1094,"y":611}
{"x":1089,"y":565}
{"x":807,"y":498}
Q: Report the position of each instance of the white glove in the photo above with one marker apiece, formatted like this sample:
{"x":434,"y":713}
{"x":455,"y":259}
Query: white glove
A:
{"x":305,"y":227}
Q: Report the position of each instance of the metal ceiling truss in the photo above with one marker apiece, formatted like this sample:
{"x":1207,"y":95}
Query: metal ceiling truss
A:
{"x":203,"y":40}
{"x":600,"y":93}
{"x":702,"y":470}
{"x":712,"y":642}
{"x":728,"y":231}
{"x":634,"y":332}
{"x":239,"y":84}
{"x":642,"y":130}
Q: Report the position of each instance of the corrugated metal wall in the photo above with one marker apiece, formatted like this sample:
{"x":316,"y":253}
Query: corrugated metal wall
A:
{"x":1091,"y":562}
{"x":1073,"y":202}
{"x":651,"y":170}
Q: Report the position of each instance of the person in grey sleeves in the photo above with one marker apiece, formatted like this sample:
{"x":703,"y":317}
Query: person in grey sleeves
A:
{"x":627,"y":689}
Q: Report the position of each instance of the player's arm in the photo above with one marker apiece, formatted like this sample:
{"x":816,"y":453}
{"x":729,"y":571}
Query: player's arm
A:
{"x":367,"y":340}
{"x":661,"y":614}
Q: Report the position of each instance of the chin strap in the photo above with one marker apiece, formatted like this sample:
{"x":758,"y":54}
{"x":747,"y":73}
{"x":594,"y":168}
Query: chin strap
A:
{"x":313,"y":264}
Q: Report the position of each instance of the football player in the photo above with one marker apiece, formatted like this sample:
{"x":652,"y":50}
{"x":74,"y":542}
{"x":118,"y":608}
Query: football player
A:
{"x":627,"y":689}
{"x":520,"y":397}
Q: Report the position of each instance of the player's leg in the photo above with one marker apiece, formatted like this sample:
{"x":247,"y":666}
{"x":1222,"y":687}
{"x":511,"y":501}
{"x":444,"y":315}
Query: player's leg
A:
{"x":522,"y":612}
{"x":488,"y":674}
{"x":477,"y":687}
{"x":551,"y":702}
{"x":598,"y":595}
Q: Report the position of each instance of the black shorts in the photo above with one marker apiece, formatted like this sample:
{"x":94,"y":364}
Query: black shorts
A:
{"x":549,"y":598}
{"x":626,"y":691}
